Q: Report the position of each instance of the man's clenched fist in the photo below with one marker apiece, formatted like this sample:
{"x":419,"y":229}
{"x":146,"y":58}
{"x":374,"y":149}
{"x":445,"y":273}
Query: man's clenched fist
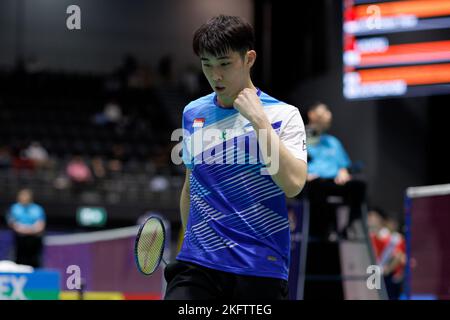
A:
{"x":249,"y":105}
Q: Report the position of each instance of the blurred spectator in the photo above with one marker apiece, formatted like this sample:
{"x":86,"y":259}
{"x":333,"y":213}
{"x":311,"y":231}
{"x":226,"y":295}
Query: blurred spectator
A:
{"x":111,"y":114}
{"x":61,"y":182}
{"x":292,"y":217}
{"x":20,"y":161}
{"x":328,"y":172}
{"x":79,"y":174}
{"x":98,"y":168}
{"x":159,"y":183}
{"x":162,"y":169}
{"x":37,"y":154}
{"x":5,"y":157}
{"x":376,"y":218}
{"x":118,"y":158}
{"x":113,"y":118}
{"x":141,"y":79}
{"x":27,"y":220}
{"x":390,"y":250}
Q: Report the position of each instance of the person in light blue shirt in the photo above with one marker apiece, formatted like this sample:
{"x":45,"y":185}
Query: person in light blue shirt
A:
{"x":27,"y":220}
{"x":328,"y":174}
{"x":329,"y":159}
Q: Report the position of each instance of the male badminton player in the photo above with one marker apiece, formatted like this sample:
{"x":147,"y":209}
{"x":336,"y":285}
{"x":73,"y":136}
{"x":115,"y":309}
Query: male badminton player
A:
{"x":236,"y":240}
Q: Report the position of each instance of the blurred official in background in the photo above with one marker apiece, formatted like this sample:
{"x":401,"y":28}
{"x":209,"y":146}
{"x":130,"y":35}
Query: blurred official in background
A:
{"x":27,"y":220}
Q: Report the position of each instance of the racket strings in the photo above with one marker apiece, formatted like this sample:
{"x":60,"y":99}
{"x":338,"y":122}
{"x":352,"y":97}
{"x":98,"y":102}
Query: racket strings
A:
{"x":150,"y":245}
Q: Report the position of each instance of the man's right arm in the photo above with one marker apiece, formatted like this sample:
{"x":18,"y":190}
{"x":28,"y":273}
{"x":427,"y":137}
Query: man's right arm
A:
{"x":185,"y":200}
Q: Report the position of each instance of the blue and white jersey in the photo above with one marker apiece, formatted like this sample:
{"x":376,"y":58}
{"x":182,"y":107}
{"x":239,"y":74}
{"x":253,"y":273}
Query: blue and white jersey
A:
{"x":238,"y":220}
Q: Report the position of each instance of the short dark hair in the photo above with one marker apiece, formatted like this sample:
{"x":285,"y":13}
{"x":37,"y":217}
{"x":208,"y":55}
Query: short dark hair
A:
{"x":380,"y":211}
{"x":222,"y":34}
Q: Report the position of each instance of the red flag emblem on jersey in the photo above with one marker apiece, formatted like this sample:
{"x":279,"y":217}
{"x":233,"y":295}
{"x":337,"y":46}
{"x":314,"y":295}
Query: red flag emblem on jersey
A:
{"x":198,"y":123}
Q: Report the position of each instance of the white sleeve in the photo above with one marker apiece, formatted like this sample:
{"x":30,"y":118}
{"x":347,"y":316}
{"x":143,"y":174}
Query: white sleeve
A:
{"x":293,"y":134}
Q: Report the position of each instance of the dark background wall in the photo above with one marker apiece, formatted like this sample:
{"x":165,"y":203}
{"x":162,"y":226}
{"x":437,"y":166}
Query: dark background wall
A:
{"x":147,"y":29}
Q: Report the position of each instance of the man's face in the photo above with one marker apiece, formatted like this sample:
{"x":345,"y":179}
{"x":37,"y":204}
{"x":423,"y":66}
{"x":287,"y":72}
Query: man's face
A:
{"x":227,"y":75}
{"x":24,"y":197}
{"x":320,"y":118}
{"x":374,"y":221}
{"x":392,"y":225}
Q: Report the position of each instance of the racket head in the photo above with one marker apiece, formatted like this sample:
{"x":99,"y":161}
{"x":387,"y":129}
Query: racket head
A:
{"x":149,"y":245}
